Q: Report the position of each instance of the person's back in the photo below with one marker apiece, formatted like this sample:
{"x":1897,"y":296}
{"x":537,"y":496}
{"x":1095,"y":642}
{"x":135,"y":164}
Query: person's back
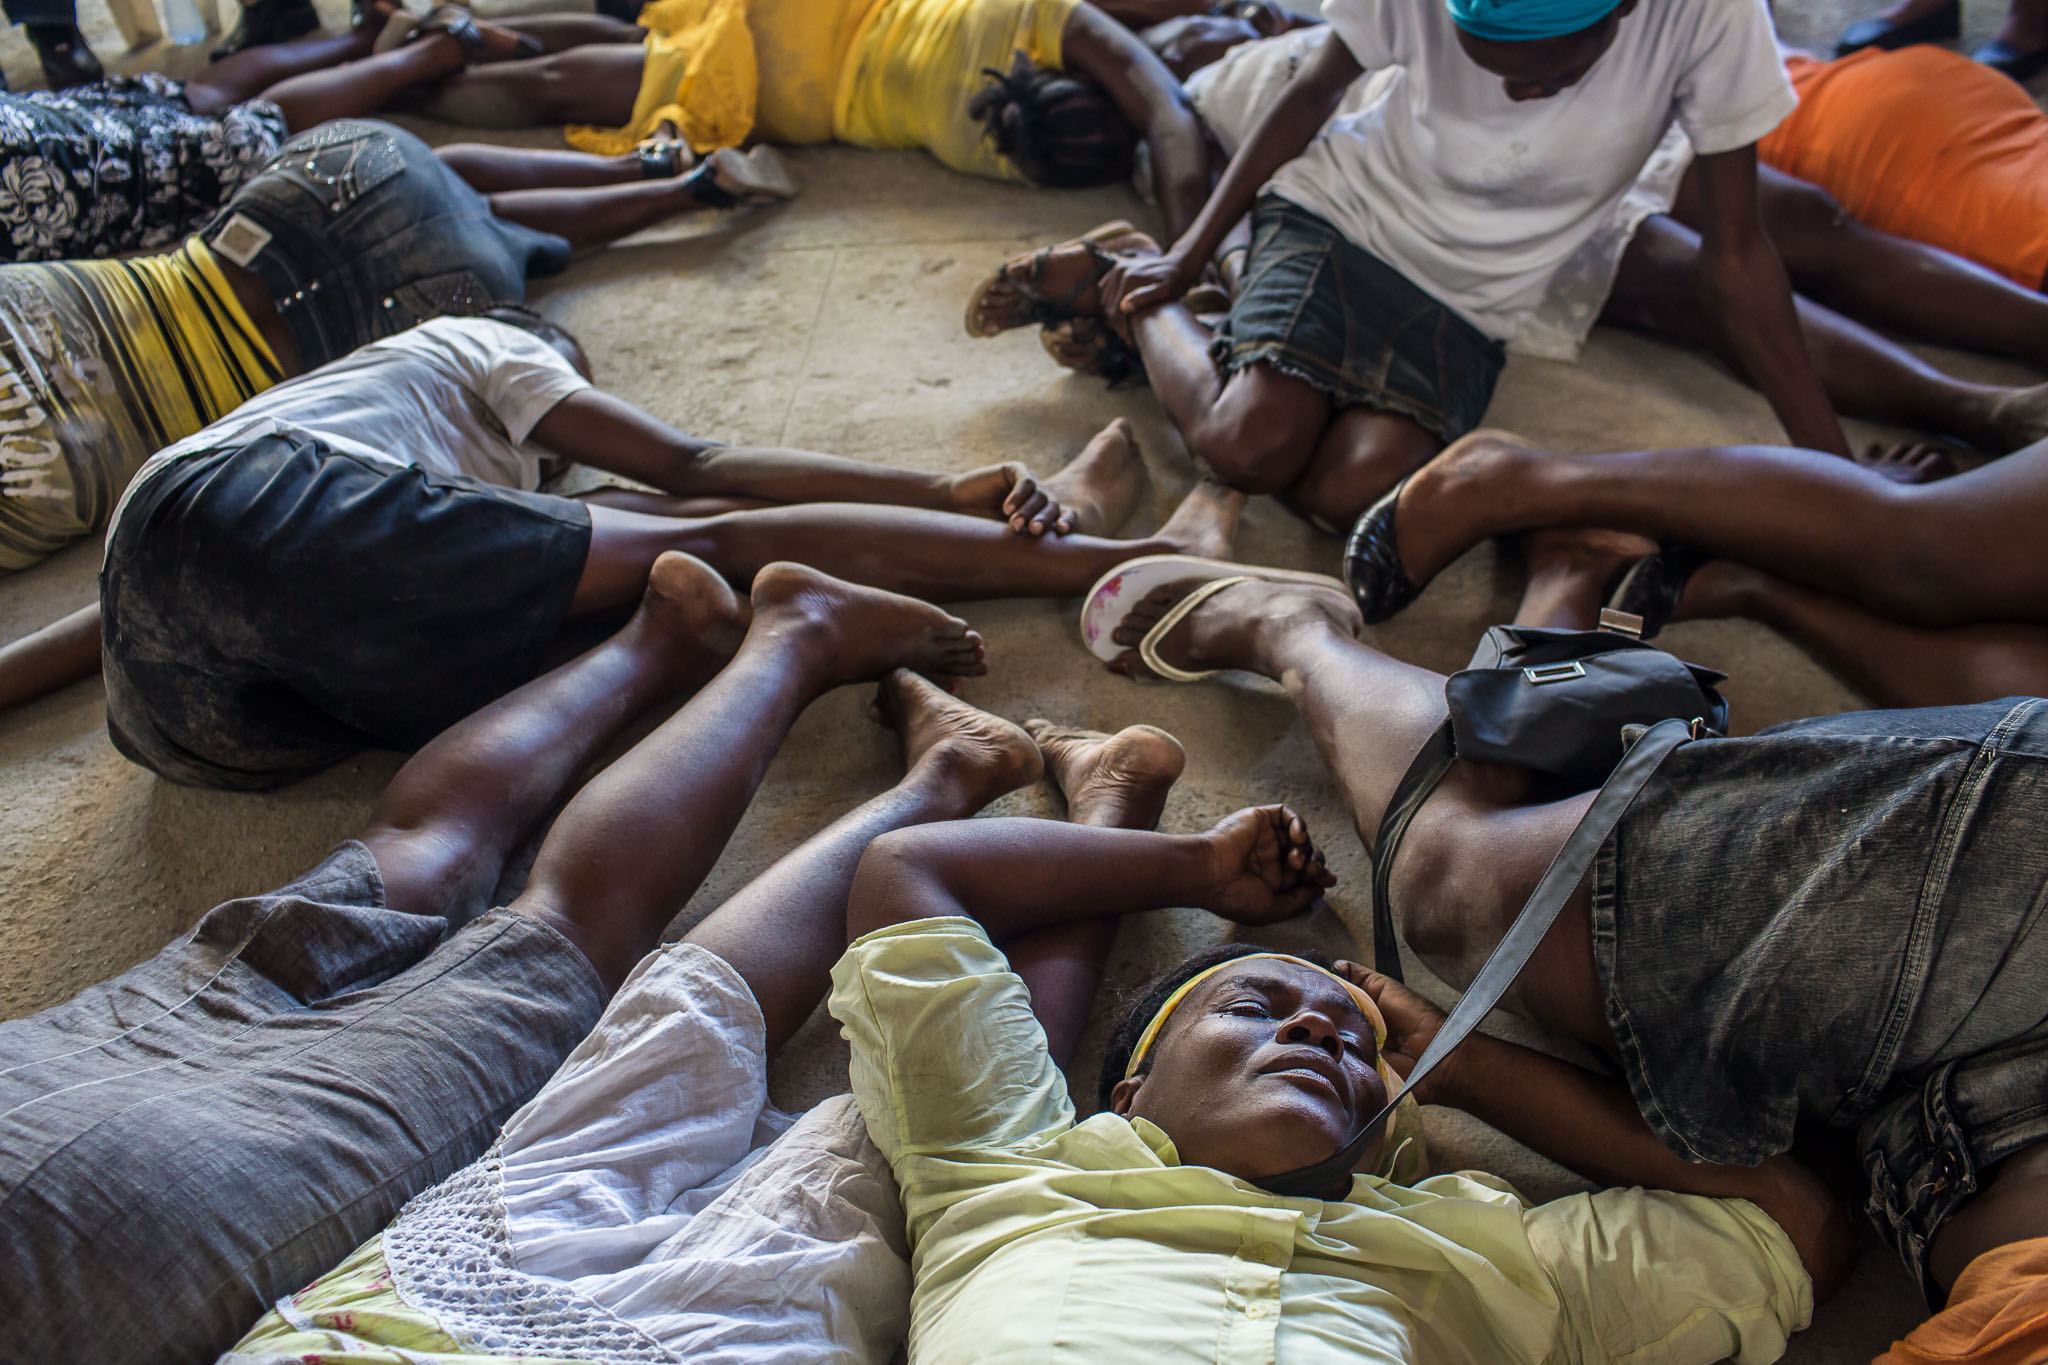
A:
{"x":105,"y":363}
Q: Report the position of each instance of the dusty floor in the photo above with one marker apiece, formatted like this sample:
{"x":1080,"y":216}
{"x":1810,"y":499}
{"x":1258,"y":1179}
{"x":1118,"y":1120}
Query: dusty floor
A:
{"x":833,"y":324}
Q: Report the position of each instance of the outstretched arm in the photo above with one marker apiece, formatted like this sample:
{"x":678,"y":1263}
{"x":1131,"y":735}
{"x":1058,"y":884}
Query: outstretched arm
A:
{"x":57,"y":655}
{"x":1745,"y":284}
{"x":594,"y":428}
{"x":1017,"y":875}
{"x":1592,"y":1125}
{"x":1111,"y":55}
{"x":1295,"y":118}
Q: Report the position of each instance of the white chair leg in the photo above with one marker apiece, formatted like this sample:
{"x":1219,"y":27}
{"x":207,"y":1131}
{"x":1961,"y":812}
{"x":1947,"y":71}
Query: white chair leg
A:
{"x":137,"y":21}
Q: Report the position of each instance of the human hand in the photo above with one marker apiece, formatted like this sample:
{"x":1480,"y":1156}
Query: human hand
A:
{"x":1136,"y":283}
{"x":1412,"y":1025}
{"x":1012,"y":493}
{"x":1264,"y":867}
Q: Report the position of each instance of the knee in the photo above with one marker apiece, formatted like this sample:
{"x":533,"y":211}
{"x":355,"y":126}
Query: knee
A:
{"x":1804,"y":213}
{"x":1252,"y":453}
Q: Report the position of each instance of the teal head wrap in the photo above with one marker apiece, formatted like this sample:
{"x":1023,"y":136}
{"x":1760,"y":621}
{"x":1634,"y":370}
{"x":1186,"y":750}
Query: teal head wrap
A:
{"x":1520,"y":21}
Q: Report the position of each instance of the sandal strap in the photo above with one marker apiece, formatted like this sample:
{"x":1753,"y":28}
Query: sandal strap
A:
{"x":659,"y":160}
{"x":1148,"y":648}
{"x":459,"y":24}
{"x":705,"y":189}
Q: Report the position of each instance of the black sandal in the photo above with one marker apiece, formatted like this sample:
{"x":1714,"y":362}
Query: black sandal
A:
{"x":1372,"y":562}
{"x":660,"y":159}
{"x":459,"y":24}
{"x":1651,"y":588}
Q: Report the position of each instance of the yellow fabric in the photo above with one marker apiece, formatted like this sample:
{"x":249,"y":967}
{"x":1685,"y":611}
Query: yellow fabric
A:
{"x":1366,"y":1007}
{"x":1040,"y":1239}
{"x":353,"y":1316}
{"x":102,"y":364}
{"x":917,"y":66}
{"x":878,"y":73}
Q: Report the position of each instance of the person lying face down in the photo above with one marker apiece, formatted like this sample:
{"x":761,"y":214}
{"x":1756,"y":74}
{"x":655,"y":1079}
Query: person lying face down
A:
{"x":1142,"y":1234}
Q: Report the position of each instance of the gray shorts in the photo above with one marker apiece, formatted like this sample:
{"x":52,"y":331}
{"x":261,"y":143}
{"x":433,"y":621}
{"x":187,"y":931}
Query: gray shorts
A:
{"x":212,"y":1129}
{"x":1841,"y":920}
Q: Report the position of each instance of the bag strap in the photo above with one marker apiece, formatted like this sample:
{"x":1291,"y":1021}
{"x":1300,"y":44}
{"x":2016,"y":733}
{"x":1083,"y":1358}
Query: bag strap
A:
{"x":1427,"y":769}
{"x":1565,"y":872}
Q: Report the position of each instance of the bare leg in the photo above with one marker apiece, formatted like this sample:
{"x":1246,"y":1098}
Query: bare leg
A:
{"x":1473,"y":852}
{"x":468,"y":800}
{"x":1890,"y":282}
{"x":634,"y":844}
{"x":787,"y":927}
{"x":1864,"y":374}
{"x":582,"y":85}
{"x":1934,"y":554}
{"x":1361,"y":455}
{"x":2013,"y":1209}
{"x":364,"y":87}
{"x":592,"y":217}
{"x":58,"y":655}
{"x":1572,"y":574}
{"x":494,"y":170}
{"x":1893,"y":665}
{"x":942,"y":556}
{"x":1116,"y":781}
{"x":248,"y":73}
{"x":559,"y":32}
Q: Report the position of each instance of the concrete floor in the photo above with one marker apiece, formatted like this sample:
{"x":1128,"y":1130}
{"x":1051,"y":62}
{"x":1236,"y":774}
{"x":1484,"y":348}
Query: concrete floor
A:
{"x":833,"y":323}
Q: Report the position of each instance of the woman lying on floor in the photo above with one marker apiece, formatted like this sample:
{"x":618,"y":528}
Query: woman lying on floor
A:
{"x":1641,"y":269}
{"x":1928,"y":595}
{"x":1054,"y":92}
{"x":1889,"y":862}
{"x":354,"y":232}
{"x":359,"y":557}
{"x":136,"y":163}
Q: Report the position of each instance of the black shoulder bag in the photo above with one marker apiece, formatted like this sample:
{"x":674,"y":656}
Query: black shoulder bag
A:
{"x":1590,"y":708}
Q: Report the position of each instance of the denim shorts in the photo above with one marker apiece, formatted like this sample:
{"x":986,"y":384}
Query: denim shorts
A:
{"x":1318,"y":308}
{"x":184,"y":1144}
{"x":270,"y":609}
{"x":1842,"y":920}
{"x":360,"y":231}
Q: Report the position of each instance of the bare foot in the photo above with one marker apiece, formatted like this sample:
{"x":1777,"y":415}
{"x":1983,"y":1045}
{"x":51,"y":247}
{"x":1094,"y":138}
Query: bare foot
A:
{"x":690,"y":613}
{"x":1205,"y":523}
{"x":1231,"y":629}
{"x":1908,"y":461}
{"x":1119,"y":781}
{"x":864,"y":632}
{"x":1450,"y":504}
{"x":984,"y":756}
{"x":1067,"y":272}
{"x":1099,"y":488}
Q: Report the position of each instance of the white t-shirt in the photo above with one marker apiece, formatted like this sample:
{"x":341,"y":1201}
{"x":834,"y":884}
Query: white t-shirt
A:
{"x":1480,"y":199}
{"x":452,"y":395}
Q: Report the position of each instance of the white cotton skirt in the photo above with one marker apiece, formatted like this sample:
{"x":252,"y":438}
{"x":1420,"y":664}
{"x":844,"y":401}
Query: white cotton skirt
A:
{"x":649,"y":1205}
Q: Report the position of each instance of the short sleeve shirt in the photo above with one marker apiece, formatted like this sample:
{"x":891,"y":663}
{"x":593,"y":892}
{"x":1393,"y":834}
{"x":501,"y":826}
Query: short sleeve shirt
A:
{"x":1036,"y":1238}
{"x":1478,"y":198}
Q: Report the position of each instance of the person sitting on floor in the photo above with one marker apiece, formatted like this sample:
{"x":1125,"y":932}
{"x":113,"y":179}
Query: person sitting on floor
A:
{"x":1142,"y":1233}
{"x":360,"y":557}
{"x":1444,"y":214}
{"x":705,"y":1247}
{"x":1641,"y":269}
{"x":136,"y":163}
{"x":355,"y":231}
{"x":1746,"y":863}
{"x":231,"y":1118}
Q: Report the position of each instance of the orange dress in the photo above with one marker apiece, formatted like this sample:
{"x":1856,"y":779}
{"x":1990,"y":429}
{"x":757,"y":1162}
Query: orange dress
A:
{"x":1926,"y":144}
{"x":1997,"y":1313}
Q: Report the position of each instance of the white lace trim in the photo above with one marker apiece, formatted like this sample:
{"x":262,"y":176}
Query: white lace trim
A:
{"x":449,"y":1256}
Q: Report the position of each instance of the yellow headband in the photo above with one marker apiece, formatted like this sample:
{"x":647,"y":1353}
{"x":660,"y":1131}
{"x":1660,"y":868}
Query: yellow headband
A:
{"x":1365,"y":1003}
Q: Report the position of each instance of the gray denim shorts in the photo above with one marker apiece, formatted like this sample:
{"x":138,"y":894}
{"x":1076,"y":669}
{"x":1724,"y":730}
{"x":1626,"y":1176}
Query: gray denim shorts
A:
{"x":1841,"y":920}
{"x":210,"y":1130}
{"x":1319,"y":308}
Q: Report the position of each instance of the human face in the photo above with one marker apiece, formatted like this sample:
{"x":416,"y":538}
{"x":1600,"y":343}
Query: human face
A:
{"x":1544,"y":67}
{"x":1265,"y":1068}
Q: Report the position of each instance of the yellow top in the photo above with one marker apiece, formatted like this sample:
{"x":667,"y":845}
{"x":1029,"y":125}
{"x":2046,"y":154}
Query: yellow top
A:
{"x":1039,"y":1239}
{"x":877,"y":73}
{"x":102,"y":364}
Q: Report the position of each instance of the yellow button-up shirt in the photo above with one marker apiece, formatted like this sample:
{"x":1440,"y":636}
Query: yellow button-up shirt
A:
{"x":1040,"y":1239}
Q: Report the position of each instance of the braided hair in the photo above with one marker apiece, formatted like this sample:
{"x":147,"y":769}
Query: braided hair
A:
{"x":1059,"y":130}
{"x":1130,"y":1025}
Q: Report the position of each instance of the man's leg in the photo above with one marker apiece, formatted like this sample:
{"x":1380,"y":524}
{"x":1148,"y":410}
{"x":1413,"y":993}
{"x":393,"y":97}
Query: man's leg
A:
{"x":594,"y":84}
{"x":248,"y":73}
{"x":633,"y":845}
{"x":1361,"y":455}
{"x":1474,"y":851}
{"x":466,"y":802}
{"x":1934,"y":554}
{"x":942,"y":556}
{"x":1865,"y":375}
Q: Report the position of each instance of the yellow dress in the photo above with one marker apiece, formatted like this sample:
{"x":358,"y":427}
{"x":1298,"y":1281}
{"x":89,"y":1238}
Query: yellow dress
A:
{"x":877,"y":73}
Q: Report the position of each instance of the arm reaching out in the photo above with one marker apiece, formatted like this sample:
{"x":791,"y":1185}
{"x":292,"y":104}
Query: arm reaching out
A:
{"x":1109,"y":54}
{"x":1591,"y":1125}
{"x":1293,"y":121}
{"x":1016,"y":875}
